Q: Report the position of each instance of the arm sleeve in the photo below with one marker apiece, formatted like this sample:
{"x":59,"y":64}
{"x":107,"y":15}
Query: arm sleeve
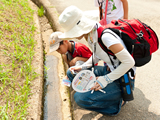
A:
{"x":123,"y":56}
{"x":127,"y":62}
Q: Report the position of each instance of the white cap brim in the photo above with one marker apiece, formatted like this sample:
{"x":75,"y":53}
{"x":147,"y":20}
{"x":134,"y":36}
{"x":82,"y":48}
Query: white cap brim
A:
{"x":54,"y":47}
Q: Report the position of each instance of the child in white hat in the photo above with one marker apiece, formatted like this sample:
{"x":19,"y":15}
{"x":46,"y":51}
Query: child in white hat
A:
{"x":78,"y":25}
{"x":73,"y":53}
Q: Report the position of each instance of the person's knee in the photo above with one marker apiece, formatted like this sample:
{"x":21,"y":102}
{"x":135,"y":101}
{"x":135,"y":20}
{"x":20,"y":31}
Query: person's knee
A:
{"x":69,"y":75}
{"x":68,"y":72}
{"x":76,"y":98}
{"x":82,"y":100}
{"x":79,"y":99}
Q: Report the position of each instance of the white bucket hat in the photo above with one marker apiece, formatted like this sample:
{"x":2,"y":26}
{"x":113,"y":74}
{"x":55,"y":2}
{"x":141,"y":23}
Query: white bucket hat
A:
{"x":54,"y":41}
{"x":76,"y":22}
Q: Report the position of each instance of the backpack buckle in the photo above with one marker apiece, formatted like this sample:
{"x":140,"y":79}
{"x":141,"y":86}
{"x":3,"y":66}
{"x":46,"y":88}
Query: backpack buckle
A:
{"x":140,"y":35}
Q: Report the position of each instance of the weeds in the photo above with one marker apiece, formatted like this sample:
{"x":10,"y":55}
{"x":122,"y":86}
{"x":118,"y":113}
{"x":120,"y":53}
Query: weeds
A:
{"x":16,"y":55}
{"x":41,"y":12}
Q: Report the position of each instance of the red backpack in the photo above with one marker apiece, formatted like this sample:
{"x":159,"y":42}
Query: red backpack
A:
{"x":141,"y":41}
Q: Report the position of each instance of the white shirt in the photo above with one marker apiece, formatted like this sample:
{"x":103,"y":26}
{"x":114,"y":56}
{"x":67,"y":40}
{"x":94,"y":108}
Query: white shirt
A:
{"x":114,"y":10}
{"x":109,"y":40}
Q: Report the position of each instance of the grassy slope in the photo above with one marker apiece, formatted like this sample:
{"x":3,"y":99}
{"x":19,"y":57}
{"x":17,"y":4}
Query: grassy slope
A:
{"x":16,"y":54}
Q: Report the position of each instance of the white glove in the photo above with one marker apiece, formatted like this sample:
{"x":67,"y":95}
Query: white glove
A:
{"x":103,"y":81}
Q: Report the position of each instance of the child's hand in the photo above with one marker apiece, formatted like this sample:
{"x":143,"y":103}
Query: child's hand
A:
{"x":73,"y":62}
{"x":76,"y":68}
{"x":65,"y":77}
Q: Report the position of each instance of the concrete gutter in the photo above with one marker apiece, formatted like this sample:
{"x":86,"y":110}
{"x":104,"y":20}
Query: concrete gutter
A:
{"x":50,"y":12}
{"x":52,"y":15}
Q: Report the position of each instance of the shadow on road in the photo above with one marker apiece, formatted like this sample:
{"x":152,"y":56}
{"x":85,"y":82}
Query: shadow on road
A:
{"x":137,"y":109}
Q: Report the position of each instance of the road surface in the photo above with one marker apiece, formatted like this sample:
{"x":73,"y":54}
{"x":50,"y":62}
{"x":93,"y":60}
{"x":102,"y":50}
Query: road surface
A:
{"x":146,"y":105}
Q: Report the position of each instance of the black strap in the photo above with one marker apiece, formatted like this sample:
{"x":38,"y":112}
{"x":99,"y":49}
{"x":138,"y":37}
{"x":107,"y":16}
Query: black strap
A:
{"x":92,"y":57}
{"x":94,"y":51}
{"x":109,"y":52}
{"x":99,"y":3}
{"x":92,"y":61}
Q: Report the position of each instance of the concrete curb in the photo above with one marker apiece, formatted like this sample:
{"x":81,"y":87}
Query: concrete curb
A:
{"x":52,"y":15}
{"x":35,"y":101}
{"x":50,"y":12}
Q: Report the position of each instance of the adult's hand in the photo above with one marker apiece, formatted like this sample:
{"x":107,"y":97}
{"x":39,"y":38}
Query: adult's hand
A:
{"x":96,"y":87}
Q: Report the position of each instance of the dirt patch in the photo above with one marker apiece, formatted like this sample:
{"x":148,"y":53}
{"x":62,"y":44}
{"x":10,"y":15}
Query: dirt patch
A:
{"x":16,"y":79}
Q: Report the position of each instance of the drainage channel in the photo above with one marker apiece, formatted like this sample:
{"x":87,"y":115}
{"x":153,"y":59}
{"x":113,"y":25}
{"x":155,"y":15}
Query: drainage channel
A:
{"x":52,"y":110}
{"x":51,"y":98}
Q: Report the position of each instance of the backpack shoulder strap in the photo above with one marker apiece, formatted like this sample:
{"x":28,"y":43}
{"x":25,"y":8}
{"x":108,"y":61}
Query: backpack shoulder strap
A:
{"x":102,"y":44}
{"x":109,"y":52}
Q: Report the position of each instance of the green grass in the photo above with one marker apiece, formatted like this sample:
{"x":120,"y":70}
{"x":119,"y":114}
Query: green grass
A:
{"x":41,"y":12}
{"x":16,"y":54}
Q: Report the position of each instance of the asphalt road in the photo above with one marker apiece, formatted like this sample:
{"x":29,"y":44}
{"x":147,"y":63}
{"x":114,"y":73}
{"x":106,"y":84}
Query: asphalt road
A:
{"x":146,"y":105}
